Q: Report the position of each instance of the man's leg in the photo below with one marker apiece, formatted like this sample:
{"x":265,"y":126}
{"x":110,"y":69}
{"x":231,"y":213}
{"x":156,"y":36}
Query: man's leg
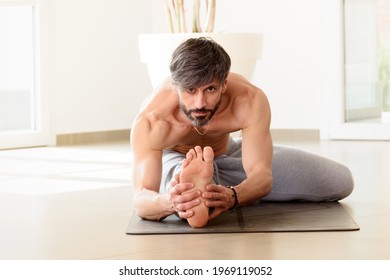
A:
{"x":171,"y":165}
{"x":297,"y":175}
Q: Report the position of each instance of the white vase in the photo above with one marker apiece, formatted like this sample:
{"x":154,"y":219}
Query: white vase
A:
{"x":156,"y":50}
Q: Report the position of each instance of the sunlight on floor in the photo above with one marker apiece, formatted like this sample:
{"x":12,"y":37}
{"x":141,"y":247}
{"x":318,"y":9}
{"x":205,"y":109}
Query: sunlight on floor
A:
{"x":75,"y":203}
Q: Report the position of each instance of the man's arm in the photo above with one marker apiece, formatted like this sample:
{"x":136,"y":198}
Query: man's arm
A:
{"x":257,"y":151}
{"x":147,"y":166}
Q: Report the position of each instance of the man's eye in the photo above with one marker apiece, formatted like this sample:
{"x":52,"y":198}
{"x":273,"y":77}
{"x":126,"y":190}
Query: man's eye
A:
{"x":211,"y":89}
{"x":190,"y":90}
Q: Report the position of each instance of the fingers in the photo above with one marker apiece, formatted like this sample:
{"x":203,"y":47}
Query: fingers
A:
{"x":216,"y":213}
{"x":182,"y":200}
{"x":216,"y":193}
{"x":187,"y":206}
{"x":179,"y":188}
{"x":184,"y":210}
{"x":186,"y":214}
{"x":215,"y":188}
{"x":217,"y":197}
{"x":175,"y":180}
{"x":217,"y":204}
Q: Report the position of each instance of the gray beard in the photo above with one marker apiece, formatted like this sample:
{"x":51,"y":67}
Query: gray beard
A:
{"x":199,"y":121}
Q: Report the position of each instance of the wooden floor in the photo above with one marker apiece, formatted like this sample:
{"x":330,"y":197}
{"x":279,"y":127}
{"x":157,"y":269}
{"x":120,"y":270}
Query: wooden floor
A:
{"x":75,"y":203}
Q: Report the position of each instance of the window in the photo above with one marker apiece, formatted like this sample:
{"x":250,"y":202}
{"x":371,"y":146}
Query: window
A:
{"x":17,"y":85}
{"x":367,"y":60}
{"x":360,"y":109}
{"x":23,"y":99}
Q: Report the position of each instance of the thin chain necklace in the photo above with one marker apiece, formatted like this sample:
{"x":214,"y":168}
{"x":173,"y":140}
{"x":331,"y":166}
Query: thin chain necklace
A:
{"x":202,"y":133}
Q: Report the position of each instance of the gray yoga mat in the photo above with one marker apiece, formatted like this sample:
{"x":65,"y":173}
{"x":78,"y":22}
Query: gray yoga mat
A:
{"x":259,"y":217}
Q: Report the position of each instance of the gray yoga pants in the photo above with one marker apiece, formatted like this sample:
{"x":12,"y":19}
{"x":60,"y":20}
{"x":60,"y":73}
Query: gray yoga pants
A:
{"x":297,"y":175}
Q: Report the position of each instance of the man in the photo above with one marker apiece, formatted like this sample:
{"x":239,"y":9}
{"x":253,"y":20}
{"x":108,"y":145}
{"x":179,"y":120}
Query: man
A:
{"x":185,"y":161}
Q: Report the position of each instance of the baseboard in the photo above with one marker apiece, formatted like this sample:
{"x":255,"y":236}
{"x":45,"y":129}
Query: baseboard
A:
{"x":124,"y":135}
{"x":92,"y":137}
{"x":295,"y":135}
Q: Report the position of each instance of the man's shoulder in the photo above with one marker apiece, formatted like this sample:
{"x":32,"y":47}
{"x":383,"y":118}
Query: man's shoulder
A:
{"x":149,"y":121}
{"x":158,"y":128}
{"x":239,"y":86}
{"x":248,"y":102}
{"x":159,"y":106}
{"x":243,"y":93}
{"x":150,"y":131}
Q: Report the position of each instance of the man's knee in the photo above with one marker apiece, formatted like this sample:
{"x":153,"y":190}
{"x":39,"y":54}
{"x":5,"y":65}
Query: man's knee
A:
{"x":345,"y":183}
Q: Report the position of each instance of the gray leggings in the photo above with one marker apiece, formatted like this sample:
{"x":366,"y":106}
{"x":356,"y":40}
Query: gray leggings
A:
{"x":297,"y":175}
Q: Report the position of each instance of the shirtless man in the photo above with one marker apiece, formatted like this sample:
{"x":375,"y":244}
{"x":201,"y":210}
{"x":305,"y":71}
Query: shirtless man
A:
{"x":185,"y":161}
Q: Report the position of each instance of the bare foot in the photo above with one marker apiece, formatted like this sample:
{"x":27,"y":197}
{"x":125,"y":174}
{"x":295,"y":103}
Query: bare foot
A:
{"x":198,"y":168}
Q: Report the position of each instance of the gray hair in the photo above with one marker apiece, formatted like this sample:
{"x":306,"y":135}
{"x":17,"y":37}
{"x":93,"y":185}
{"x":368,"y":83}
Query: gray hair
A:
{"x":197,"y":62}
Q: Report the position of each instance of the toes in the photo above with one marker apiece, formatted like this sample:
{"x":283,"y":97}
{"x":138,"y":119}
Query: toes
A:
{"x":199,"y":152}
{"x":190,"y":155}
{"x":208,"y":154}
{"x":185,"y":163}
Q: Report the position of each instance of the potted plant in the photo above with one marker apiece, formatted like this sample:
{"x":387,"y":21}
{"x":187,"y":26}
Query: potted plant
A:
{"x":177,"y":17}
{"x":156,"y":49}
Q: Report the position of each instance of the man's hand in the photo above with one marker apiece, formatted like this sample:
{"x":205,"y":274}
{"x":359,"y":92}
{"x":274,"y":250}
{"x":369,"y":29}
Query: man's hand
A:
{"x":182,"y":199}
{"x":218,"y":197}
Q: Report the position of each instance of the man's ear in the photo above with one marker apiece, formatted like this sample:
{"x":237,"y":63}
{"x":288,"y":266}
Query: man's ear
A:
{"x":224,"y":86}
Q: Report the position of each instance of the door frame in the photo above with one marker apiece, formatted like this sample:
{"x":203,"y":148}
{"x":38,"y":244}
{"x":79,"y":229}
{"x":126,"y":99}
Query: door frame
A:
{"x":43,"y":135}
{"x":333,"y":123}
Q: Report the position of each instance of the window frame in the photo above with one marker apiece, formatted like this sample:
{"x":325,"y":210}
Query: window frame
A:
{"x":42,"y":134}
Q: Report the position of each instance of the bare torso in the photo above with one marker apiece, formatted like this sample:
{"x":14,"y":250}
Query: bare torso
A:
{"x":162,"y":124}
{"x":175,"y":132}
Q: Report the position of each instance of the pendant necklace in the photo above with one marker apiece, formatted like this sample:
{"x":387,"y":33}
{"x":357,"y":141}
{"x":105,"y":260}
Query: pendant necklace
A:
{"x":202,"y":133}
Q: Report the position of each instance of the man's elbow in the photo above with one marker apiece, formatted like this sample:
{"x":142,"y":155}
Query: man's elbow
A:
{"x":144,"y":210}
{"x":267,"y":185}
{"x":142,"y":213}
{"x":139,"y":207}
{"x":138,"y":211}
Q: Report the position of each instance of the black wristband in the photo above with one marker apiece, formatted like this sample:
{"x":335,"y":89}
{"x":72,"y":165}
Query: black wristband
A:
{"x":235,"y":198}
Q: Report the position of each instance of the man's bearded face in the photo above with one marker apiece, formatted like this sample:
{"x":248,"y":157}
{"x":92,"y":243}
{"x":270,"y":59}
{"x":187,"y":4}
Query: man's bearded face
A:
{"x":199,"y":117}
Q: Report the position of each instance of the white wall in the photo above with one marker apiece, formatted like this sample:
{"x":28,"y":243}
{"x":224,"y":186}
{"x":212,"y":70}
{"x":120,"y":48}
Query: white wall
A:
{"x":98,"y":81}
{"x":300,"y":37}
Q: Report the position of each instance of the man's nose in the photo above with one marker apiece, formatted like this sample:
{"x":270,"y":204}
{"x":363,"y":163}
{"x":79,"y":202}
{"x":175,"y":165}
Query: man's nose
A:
{"x":200,"y":100}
